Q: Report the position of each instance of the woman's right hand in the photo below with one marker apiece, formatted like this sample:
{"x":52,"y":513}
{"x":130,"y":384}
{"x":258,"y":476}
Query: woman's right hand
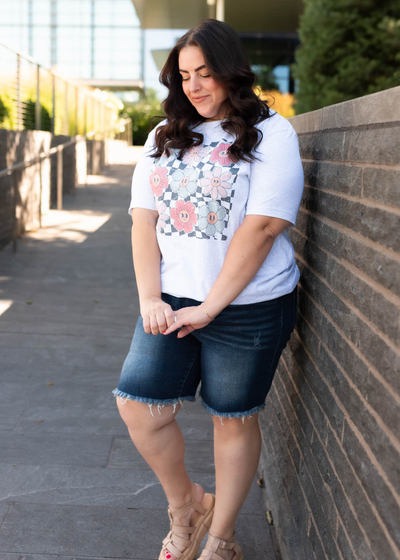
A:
{"x":156,"y":314}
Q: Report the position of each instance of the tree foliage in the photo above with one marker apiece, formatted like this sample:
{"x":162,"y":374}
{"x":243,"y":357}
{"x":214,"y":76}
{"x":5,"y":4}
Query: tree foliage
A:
{"x":349,"y":48}
{"x":141,"y":113}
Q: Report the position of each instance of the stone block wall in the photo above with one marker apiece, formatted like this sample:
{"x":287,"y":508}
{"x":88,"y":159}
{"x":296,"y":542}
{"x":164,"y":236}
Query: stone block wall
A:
{"x":331,"y":427}
{"x":33,"y":190}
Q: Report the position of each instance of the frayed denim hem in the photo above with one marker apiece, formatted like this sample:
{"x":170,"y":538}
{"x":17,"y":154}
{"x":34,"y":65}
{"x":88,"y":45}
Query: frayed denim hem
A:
{"x":159,"y":403}
{"x":231,"y":415}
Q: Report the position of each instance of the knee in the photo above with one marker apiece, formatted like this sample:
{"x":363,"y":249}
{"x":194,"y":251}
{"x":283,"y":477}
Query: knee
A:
{"x":141,"y":416}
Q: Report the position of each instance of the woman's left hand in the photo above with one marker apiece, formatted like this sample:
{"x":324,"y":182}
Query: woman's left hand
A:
{"x":190,"y":319}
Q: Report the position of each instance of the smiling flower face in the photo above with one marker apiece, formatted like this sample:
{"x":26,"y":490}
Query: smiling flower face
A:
{"x":220,"y":154}
{"x":215,"y":182}
{"x":184,"y":216}
{"x":211,"y":218}
{"x":158,"y":180}
{"x":162,"y":217}
{"x":194,"y":154}
{"x":184,"y":182}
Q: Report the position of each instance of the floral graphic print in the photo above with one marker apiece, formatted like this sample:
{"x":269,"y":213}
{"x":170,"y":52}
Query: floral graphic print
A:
{"x":184,"y":216}
{"x":194,"y":154}
{"x":184,"y":182}
{"x":211,"y":218}
{"x":220,"y":154}
{"x":158,"y":180}
{"x":163,"y":217}
{"x":216,"y":183}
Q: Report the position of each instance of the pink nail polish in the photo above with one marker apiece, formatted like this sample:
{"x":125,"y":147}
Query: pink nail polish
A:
{"x":162,"y":332}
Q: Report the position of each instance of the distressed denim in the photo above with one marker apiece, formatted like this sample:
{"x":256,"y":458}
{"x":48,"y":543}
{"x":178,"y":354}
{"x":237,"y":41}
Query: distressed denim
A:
{"x":234,"y":358}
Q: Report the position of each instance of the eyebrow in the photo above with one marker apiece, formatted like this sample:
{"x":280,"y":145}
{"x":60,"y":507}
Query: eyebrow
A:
{"x":196,"y":69}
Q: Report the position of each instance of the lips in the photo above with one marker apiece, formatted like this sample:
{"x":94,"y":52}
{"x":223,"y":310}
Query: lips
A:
{"x":198,"y":99}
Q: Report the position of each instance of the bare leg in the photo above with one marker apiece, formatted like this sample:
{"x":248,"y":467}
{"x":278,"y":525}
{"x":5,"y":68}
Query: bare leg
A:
{"x":237,"y":448}
{"x":159,"y":440}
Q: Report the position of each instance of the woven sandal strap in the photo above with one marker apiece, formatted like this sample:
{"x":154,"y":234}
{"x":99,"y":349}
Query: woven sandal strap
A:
{"x":186,"y":507}
{"x":172,"y":549}
{"x":210,"y":555}
{"x":181,"y":529}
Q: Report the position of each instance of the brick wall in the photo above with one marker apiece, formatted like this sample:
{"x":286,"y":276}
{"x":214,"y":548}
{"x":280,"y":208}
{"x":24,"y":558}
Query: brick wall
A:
{"x":331,"y":427}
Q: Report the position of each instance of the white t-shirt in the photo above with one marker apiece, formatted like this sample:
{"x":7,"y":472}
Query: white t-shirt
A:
{"x":203,"y":199}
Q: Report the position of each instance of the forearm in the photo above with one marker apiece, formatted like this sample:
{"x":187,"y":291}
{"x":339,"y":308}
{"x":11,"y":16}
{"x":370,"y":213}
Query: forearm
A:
{"x":146,"y":259}
{"x":245,"y":256}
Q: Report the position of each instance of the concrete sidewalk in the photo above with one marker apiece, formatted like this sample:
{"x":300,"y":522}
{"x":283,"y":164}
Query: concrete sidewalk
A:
{"x":71,"y":482}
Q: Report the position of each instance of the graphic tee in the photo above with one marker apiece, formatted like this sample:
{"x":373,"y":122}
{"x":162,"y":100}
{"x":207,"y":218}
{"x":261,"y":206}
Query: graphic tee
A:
{"x":203,"y":198}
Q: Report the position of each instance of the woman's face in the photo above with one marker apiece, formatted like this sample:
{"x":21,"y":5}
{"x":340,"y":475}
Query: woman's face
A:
{"x":205,"y":94}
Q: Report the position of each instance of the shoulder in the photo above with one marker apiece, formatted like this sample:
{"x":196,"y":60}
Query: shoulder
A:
{"x":275,"y":123}
{"x":152,"y":133}
{"x":276,"y":131}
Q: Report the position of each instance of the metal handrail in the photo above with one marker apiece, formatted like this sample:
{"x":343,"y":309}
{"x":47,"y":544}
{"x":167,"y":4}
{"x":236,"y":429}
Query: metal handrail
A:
{"x":43,"y":155}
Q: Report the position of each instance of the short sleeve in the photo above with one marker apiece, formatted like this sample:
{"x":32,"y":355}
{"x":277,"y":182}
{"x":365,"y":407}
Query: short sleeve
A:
{"x":276,"y":178}
{"x":141,"y":194}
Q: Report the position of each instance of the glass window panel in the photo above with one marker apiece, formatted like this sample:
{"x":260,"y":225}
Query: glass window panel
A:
{"x":124,"y":13}
{"x":102,"y":12}
{"x":41,"y":12}
{"x":14,"y":13}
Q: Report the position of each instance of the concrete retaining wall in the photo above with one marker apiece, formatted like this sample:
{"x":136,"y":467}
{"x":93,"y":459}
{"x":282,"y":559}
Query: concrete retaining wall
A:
{"x":35,"y":189}
{"x":331,"y":428}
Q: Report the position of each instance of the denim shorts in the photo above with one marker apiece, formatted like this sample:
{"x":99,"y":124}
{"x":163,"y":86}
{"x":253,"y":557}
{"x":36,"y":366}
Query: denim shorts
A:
{"x":234,"y":358}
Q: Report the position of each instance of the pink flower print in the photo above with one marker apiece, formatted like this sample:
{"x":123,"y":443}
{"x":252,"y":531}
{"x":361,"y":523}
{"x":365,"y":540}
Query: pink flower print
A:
{"x":215,"y":182}
{"x":220,"y":154}
{"x":194,"y":154}
{"x":184,"y":216}
{"x":162,"y":217}
{"x":158,"y":180}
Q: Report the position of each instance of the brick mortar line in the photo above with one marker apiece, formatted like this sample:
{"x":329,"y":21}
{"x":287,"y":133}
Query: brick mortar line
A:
{"x":310,"y":514}
{"x":300,"y":484}
{"x":389,"y":253}
{"x":361,"y":356}
{"x":302,"y":456}
{"x":361,"y":127}
{"x":356,"y":199}
{"x":389,"y":166}
{"x":390,"y":540}
{"x":263,"y":439}
{"x":356,"y":431}
{"x":352,"y":308}
{"x":390,"y":296}
{"x":372,"y":411}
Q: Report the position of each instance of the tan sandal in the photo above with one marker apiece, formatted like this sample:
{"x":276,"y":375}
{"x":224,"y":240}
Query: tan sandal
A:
{"x":195,"y":534}
{"x":215,"y":543}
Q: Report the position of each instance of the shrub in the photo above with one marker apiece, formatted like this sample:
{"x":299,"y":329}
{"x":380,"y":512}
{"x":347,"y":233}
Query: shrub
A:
{"x":141,"y":113}
{"x":28,"y":117}
{"x":348,"y":49}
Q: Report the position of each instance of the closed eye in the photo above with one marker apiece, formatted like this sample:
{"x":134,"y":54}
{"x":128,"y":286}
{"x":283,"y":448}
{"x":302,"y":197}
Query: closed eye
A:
{"x":183,"y":80}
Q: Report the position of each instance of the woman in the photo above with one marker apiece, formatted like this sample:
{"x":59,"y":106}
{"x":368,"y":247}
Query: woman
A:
{"x":217,"y":186}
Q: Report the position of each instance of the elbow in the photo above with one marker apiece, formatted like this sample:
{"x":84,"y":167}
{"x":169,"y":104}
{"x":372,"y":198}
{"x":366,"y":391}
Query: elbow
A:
{"x":270,"y":233}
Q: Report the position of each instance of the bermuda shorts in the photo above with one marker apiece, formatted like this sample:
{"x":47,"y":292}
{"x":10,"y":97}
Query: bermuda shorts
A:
{"x":233,"y":359}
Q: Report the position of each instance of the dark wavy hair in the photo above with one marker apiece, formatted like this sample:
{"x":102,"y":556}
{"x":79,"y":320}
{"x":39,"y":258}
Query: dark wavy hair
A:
{"x":227,"y":63}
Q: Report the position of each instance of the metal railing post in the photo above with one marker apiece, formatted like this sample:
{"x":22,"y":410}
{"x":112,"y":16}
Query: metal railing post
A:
{"x":19,"y":108}
{"x":66,"y":125}
{"x":37,"y":105}
{"x":59,"y":177}
{"x":53,"y":119}
{"x":76,"y":111}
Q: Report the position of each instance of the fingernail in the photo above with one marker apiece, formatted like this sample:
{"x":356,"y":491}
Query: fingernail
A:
{"x":162,"y":332}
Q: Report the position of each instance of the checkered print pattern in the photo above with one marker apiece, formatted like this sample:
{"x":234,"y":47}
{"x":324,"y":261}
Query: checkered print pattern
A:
{"x":198,"y":198}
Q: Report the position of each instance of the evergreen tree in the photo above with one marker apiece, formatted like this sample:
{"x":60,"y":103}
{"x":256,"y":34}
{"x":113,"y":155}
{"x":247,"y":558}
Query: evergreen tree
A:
{"x":349,"y":48}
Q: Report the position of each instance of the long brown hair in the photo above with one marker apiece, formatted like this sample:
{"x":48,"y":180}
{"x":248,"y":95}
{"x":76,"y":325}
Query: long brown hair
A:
{"x":227,"y":63}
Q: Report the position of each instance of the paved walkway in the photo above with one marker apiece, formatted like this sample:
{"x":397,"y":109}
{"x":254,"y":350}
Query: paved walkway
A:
{"x":71,"y":482}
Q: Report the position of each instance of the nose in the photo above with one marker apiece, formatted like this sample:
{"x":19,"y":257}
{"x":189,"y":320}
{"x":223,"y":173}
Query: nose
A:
{"x":194,"y":84}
